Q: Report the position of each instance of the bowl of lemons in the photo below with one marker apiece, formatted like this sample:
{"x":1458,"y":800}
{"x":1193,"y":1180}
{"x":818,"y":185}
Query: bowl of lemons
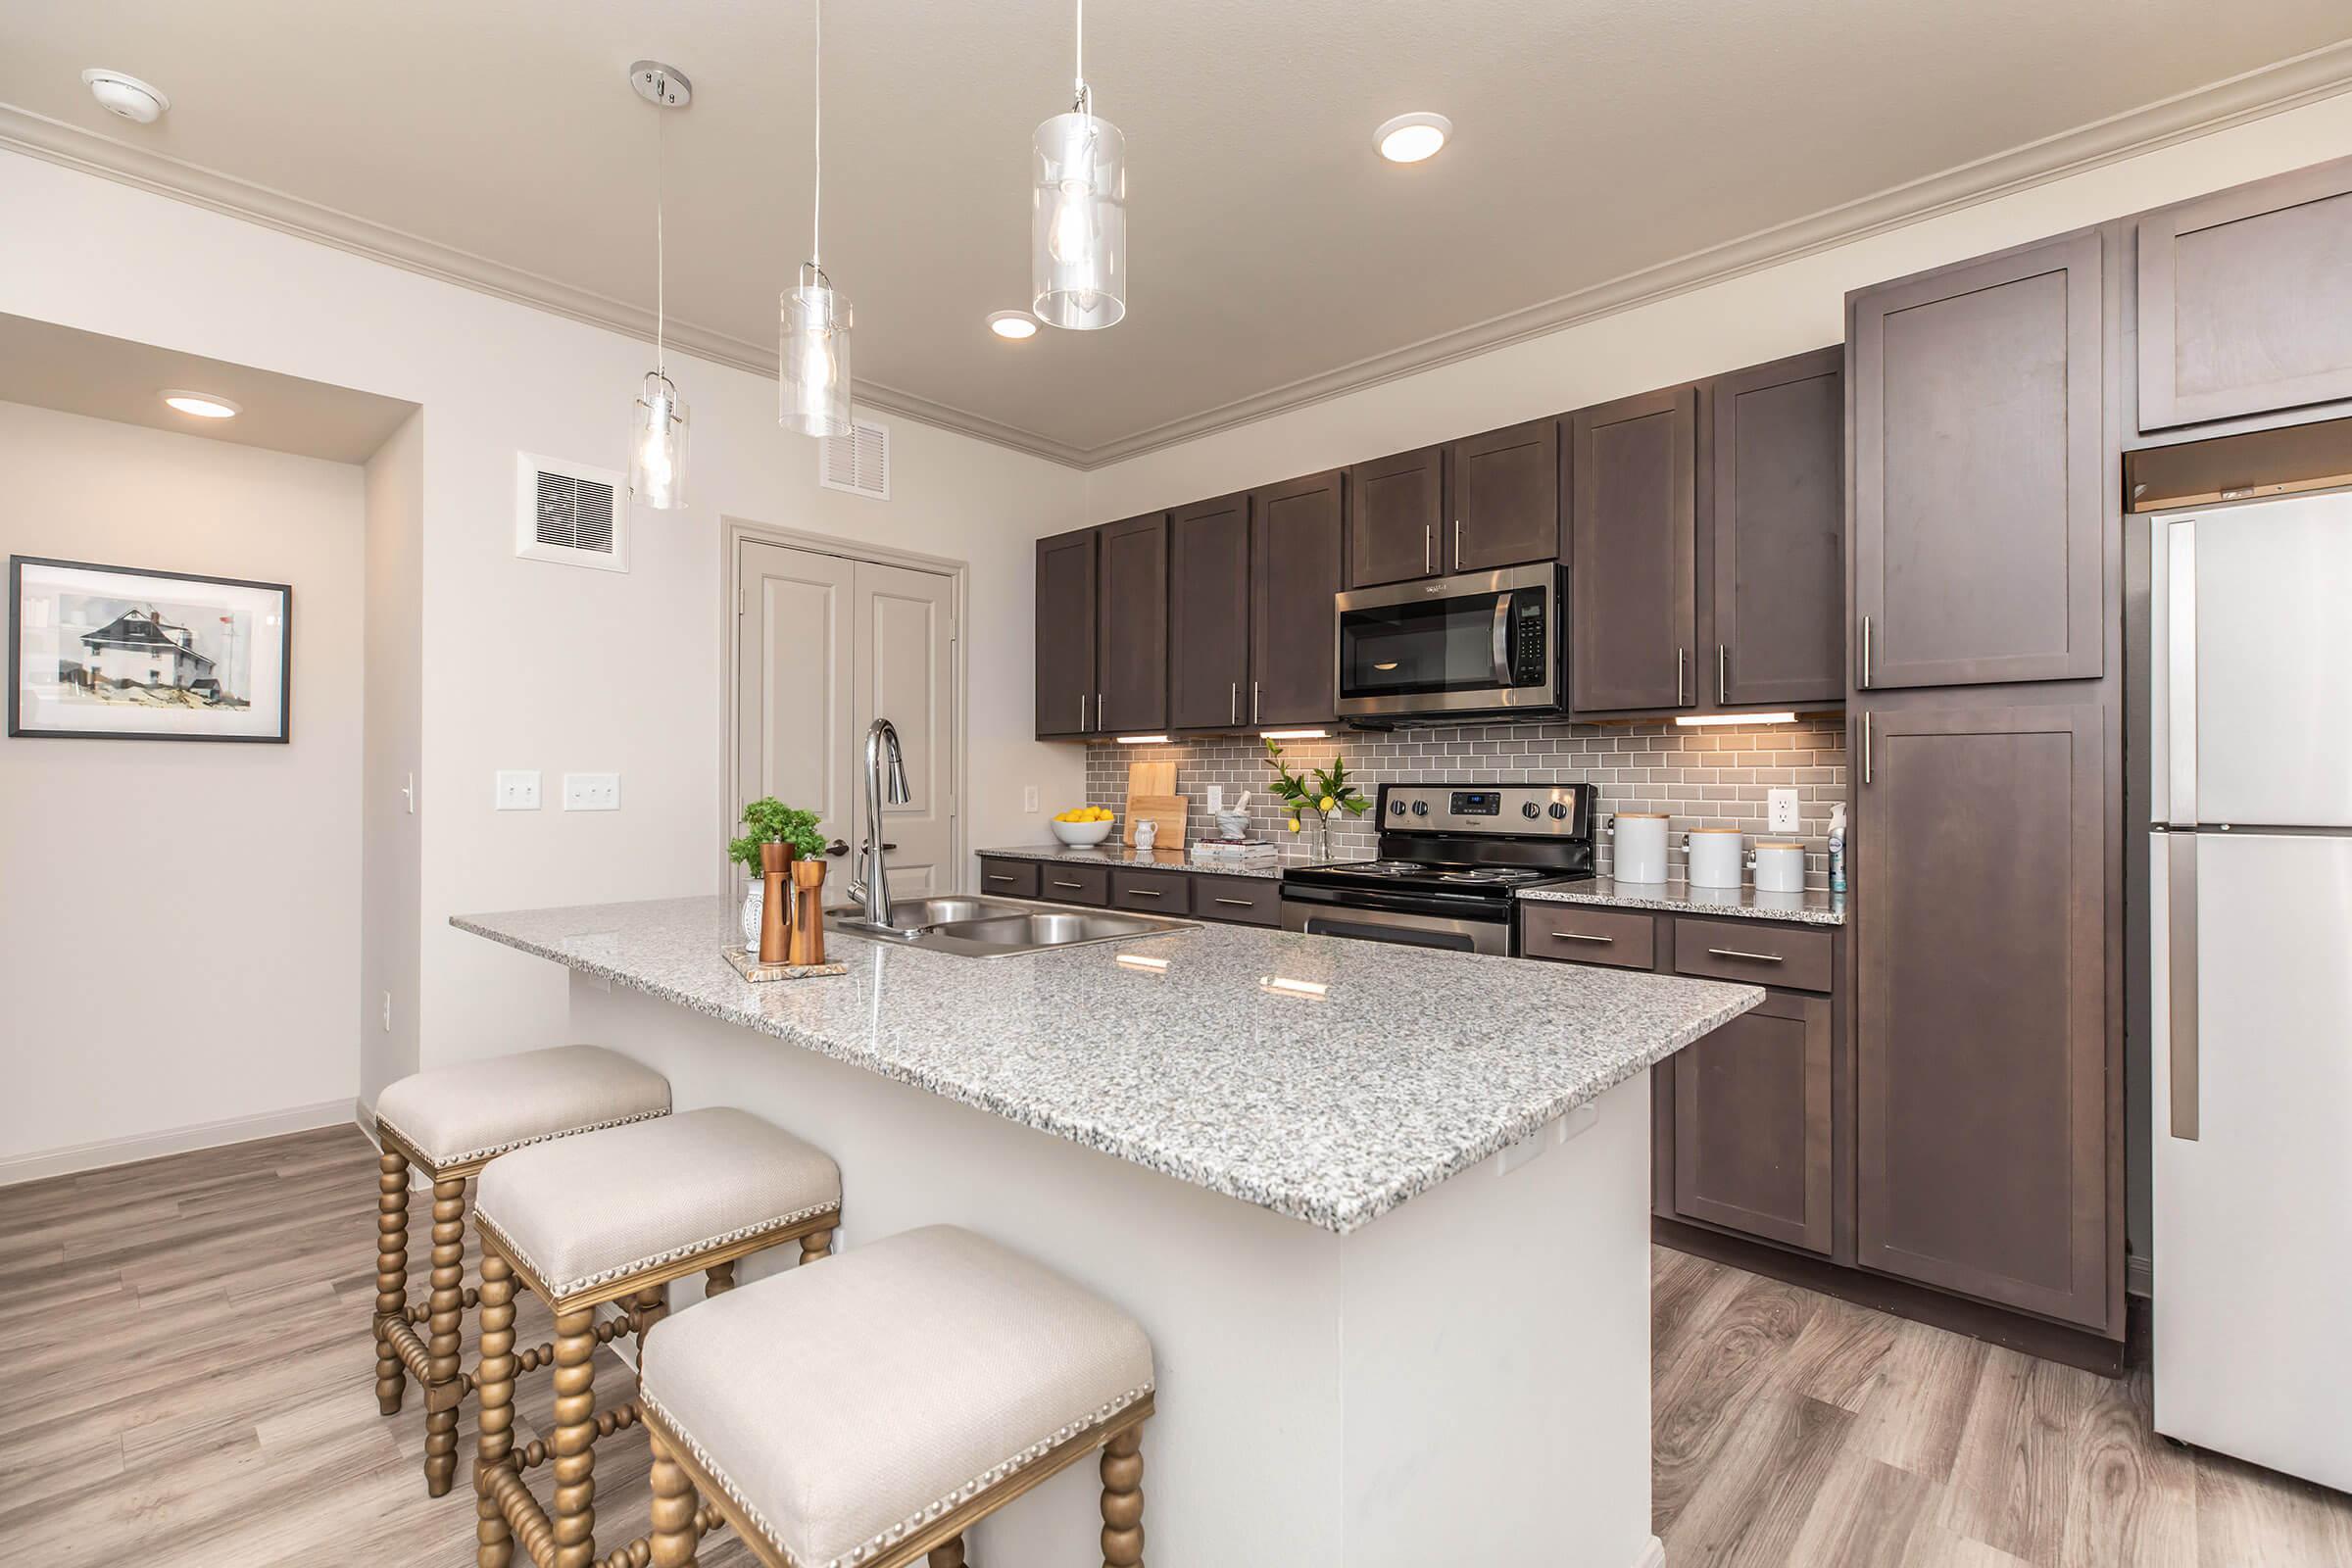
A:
{"x":1082,"y":826}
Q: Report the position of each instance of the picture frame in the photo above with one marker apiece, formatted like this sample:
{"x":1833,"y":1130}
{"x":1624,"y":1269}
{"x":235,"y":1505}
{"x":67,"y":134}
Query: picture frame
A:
{"x":100,"y":652}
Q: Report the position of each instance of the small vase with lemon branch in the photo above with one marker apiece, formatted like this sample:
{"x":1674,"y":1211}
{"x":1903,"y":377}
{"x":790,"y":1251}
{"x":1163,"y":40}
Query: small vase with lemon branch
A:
{"x":1312,"y":799}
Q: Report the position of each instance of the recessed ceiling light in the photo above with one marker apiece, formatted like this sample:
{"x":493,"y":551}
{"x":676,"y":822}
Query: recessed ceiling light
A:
{"x":1409,"y":138}
{"x":1013,"y":324}
{"x":203,"y":405}
{"x":127,"y":96}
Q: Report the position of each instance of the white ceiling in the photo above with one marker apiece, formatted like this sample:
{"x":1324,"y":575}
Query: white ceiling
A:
{"x":63,"y":368}
{"x":1271,"y":248}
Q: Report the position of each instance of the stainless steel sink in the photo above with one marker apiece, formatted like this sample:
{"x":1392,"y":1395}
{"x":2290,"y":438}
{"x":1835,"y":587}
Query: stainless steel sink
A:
{"x":983,"y":928}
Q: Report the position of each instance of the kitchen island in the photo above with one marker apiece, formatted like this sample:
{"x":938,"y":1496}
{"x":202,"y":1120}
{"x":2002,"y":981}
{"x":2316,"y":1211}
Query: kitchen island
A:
{"x":1384,"y":1210}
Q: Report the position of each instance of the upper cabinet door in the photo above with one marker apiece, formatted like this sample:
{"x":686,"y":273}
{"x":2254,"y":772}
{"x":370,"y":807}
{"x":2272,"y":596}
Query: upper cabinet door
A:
{"x":1506,"y":497}
{"x":1780,"y":533}
{"x":1295,"y":574}
{"x":1978,"y":443}
{"x":1633,"y":630}
{"x":1400,"y":517}
{"x":1131,"y":635}
{"x":2246,"y":299}
{"x":1065,"y":633}
{"x":1209,"y":614}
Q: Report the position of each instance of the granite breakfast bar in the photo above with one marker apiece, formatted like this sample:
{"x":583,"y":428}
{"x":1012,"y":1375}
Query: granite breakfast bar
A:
{"x":1387,"y":1224}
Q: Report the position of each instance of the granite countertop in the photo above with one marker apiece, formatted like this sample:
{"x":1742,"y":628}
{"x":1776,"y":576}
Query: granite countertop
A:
{"x":1809,"y":908}
{"x":1111,"y":852}
{"x":1413,"y":1064}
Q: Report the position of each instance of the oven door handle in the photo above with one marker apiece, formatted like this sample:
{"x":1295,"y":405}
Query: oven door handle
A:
{"x":1319,"y":919}
{"x":1502,"y":638}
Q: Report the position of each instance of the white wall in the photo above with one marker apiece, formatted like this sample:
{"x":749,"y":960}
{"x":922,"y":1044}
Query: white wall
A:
{"x":533,"y":665}
{"x":391,"y":838}
{"x":1785,"y":309}
{"x":179,"y":935}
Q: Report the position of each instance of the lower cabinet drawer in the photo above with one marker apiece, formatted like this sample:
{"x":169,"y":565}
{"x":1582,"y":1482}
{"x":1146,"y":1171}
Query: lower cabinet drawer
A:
{"x":1249,"y":900}
{"x":1074,"y":884}
{"x":1009,"y":879}
{"x":1751,"y":951}
{"x":1581,"y":934}
{"x":1154,"y":892}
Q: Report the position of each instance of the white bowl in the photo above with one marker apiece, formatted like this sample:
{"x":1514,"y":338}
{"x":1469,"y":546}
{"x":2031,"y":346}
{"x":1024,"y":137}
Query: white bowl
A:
{"x":1082,"y":834}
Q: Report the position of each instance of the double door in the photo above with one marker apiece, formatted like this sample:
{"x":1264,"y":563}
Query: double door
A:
{"x":1473,"y":504}
{"x":1251,"y":582}
{"x":1103,"y":628}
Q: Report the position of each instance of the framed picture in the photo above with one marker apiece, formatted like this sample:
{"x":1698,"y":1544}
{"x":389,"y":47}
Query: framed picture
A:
{"x":113,"y":652}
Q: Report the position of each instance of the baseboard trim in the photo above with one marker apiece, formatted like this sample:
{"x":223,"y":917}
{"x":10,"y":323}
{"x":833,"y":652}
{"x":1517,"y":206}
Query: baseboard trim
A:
{"x":1652,"y":1555}
{"x":78,"y":1157}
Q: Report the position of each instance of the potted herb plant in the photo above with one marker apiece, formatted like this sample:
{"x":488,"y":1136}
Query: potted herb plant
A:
{"x":768,"y":820}
{"x":1315,"y":798}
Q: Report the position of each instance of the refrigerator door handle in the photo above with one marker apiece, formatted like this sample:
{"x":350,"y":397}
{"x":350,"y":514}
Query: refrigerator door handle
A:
{"x":2181,"y":674}
{"x":2181,"y":939}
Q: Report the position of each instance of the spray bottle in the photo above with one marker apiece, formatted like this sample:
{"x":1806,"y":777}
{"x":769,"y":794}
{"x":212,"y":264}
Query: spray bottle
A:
{"x":1837,"y":847}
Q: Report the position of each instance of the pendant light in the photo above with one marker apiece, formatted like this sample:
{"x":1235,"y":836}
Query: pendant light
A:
{"x":814,"y":377}
{"x":1078,"y":214}
{"x":657,"y":420}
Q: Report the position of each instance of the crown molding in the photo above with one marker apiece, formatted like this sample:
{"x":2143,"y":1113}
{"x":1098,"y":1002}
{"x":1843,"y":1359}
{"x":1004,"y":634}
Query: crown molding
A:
{"x":2306,"y":79}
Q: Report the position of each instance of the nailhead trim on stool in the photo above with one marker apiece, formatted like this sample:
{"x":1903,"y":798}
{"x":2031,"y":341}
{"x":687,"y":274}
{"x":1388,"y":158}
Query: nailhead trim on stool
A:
{"x":671,"y":1254}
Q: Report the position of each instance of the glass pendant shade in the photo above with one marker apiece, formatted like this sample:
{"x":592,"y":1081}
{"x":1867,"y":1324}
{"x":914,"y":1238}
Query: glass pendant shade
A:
{"x":658,"y":432}
{"x":1078,"y":223}
{"x":813,"y":375}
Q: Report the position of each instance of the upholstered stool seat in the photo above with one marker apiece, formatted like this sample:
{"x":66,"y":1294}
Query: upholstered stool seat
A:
{"x":614,"y":1216}
{"x":865,"y":1414}
{"x":451,"y":1123}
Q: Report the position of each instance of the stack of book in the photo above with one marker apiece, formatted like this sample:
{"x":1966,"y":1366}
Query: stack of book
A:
{"x":1217,"y":851}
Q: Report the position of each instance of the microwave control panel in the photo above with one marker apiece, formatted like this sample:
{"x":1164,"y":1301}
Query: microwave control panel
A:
{"x":1528,"y":666}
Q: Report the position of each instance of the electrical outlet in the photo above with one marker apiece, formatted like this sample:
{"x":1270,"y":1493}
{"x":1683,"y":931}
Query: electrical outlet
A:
{"x":518,"y":790}
{"x":1781,"y":810}
{"x":592,"y":792}
{"x":1217,"y":799}
{"x":1028,"y":797}
{"x":387,"y":1013}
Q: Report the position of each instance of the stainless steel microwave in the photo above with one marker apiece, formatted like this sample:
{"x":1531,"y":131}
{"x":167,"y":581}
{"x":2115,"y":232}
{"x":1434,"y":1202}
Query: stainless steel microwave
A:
{"x":1486,"y":643}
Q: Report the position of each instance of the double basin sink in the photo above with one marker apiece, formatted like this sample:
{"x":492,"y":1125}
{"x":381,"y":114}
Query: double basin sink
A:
{"x":985,"y":928}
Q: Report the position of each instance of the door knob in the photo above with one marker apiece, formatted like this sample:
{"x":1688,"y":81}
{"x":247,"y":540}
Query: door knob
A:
{"x":838,"y":847}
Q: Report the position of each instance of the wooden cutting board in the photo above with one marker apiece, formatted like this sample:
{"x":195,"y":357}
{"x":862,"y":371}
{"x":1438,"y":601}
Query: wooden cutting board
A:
{"x":1150,"y":779}
{"x":1168,"y":810}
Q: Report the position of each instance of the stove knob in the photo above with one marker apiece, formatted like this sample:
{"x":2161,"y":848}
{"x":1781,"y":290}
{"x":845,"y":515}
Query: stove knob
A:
{"x":1420,"y":808}
{"x":1530,"y":809}
{"x":1396,"y":808}
{"x":1559,"y":812}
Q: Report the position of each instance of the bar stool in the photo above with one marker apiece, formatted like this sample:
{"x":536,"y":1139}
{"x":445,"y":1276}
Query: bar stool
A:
{"x":450,"y":1123}
{"x":867,"y":1413}
{"x":696,"y":1191}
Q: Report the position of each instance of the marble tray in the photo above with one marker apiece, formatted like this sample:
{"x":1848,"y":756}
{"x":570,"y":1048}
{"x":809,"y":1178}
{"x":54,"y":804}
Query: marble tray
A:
{"x":748,"y":965}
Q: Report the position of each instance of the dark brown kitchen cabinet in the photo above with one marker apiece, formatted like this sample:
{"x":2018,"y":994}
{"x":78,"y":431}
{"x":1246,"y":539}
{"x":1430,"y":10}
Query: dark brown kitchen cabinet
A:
{"x":1131,"y":626}
{"x":1401,"y":513}
{"x":2246,"y":299}
{"x":1778,"y":529}
{"x":1506,"y":498}
{"x":1065,"y":633}
{"x":1752,"y":1140}
{"x":1979,"y":447}
{"x":1297,"y":554}
{"x":1982,"y":1071}
{"x":1631,"y":526}
{"x":1209,"y":614}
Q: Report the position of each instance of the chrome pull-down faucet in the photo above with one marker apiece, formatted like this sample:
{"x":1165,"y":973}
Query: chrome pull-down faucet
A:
{"x":870,"y":886}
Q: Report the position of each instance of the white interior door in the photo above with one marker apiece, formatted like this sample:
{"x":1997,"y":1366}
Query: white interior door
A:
{"x":904,"y":666}
{"x":825,"y":644}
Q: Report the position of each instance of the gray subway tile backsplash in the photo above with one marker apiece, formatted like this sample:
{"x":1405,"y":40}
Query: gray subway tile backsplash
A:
{"x":1712,"y":776}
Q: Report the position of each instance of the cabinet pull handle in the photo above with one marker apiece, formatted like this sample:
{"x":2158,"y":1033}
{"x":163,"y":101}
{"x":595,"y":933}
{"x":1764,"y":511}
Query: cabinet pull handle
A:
{"x":1102,"y":713}
{"x":1233,"y":703}
{"x":1006,"y":876}
{"x":1253,"y":703}
{"x":1865,"y":746}
{"x":1426,"y":567}
{"x":1680,"y":659}
{"x":1145,"y":893}
{"x":1723,"y":679}
{"x":1865,"y":652}
{"x":1757,"y":958}
{"x":1580,"y":936}
{"x":1059,"y":883}
{"x":1082,"y":724}
{"x":1237,"y":904}
{"x":1457,"y":544}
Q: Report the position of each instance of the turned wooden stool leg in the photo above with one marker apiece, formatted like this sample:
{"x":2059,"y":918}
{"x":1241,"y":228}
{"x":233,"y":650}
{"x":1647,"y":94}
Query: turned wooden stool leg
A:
{"x":717,"y":1280}
{"x":675,"y":1530}
{"x":946,"y":1554}
{"x":496,"y":1412}
{"x":646,"y":1308}
{"x":1123,"y":1500}
{"x":574,"y":1450}
{"x":391,"y":1275}
{"x":443,"y":1327}
{"x":817,"y":1244}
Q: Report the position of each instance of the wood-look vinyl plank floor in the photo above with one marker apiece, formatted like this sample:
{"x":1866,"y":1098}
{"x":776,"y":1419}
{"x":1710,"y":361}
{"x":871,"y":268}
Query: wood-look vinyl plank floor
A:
{"x":186,"y":1379}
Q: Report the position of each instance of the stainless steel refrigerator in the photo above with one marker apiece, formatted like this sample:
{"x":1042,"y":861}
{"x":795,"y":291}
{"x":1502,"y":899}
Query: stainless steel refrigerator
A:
{"x":2250,"y":969}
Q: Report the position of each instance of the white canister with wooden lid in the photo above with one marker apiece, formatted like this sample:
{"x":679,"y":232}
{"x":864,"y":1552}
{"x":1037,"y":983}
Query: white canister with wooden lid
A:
{"x":1779,"y":865}
{"x":1641,"y":846}
{"x":1715,"y":856}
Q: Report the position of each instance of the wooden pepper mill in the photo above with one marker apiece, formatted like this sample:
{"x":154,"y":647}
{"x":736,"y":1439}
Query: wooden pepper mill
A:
{"x":807,"y":936}
{"x":775,"y":912}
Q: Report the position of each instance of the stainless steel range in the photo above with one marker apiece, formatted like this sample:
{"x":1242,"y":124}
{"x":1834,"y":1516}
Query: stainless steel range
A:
{"x":1453,"y":860}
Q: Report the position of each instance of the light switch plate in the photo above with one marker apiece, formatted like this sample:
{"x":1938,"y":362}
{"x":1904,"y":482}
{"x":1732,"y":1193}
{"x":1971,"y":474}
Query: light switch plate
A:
{"x":1217,"y":799}
{"x":592,"y":792}
{"x":518,"y":790}
{"x":1781,"y":810}
{"x":1028,"y":797}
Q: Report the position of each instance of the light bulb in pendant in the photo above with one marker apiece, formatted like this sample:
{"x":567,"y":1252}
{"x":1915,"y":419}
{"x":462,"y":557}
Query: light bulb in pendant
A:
{"x":657,"y":435}
{"x":1079,"y":228}
{"x":813,"y":351}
